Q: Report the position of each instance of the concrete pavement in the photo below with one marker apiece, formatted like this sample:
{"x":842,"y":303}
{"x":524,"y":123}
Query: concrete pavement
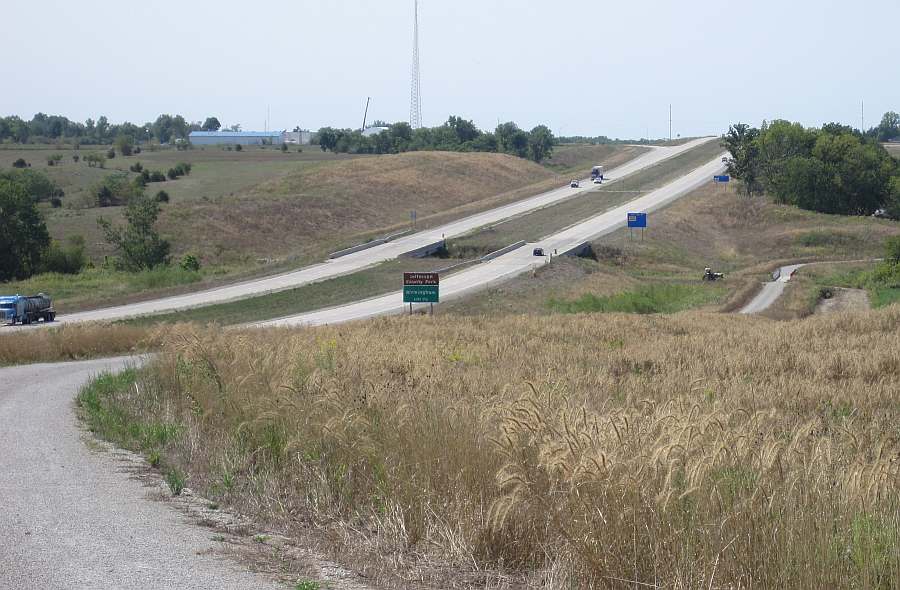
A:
{"x":516,"y":262}
{"x":771,"y":291}
{"x":71,"y":518}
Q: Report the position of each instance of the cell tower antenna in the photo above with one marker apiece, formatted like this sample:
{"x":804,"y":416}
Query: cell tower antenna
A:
{"x":415,"y":94}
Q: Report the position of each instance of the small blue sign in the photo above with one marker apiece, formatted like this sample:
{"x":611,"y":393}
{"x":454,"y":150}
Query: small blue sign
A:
{"x":637,"y":220}
{"x":722,"y":178}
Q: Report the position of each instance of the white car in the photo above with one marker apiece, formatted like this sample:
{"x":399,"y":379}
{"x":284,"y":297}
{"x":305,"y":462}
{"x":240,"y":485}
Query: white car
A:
{"x":574,"y":184}
{"x":598,"y":180}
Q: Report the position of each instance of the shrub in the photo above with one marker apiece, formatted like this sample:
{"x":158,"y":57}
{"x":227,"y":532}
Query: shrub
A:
{"x":892,"y":249}
{"x":238,"y":148}
{"x":68,"y":259}
{"x":137,"y":149}
{"x":36,"y":184}
{"x":21,"y":163}
{"x":75,"y":158}
{"x":157,"y":176}
{"x":183,"y":169}
{"x":56,"y":202}
{"x":110,"y":154}
{"x":136,"y":167}
{"x":299,"y":150}
{"x":190,"y":262}
{"x":162,"y":197}
{"x":115,"y":189}
{"x":284,"y":147}
{"x":94,"y":159}
{"x":172,"y":174}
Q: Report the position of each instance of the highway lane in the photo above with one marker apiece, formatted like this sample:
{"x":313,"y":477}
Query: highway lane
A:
{"x":73,"y":518}
{"x":375,"y":255}
{"x":516,"y":262}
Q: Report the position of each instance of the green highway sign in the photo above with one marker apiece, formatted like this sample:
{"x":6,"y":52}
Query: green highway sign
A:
{"x":420,"y":293}
{"x":421,"y":287}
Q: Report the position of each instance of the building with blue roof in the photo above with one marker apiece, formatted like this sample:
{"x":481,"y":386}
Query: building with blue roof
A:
{"x":236,"y":137}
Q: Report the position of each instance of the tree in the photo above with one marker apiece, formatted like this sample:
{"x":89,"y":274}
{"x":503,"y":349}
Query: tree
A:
{"x":23,"y":233}
{"x":744,"y":162}
{"x":20,"y":163}
{"x":892,"y":250}
{"x":211,"y":124}
{"x":94,"y":159}
{"x":512,"y":140}
{"x":36,"y":184}
{"x":139,"y":245}
{"x":69,"y":259}
{"x":889,"y":128}
{"x":115,"y":190}
{"x":540,"y":143}
{"x":464,"y":130}
{"x":125,"y":145}
{"x":328,"y":138}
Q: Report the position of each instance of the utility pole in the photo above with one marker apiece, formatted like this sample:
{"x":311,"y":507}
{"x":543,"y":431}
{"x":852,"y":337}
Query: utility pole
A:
{"x":366,"y":113}
{"x":670,"y":121}
{"x":862,"y":116}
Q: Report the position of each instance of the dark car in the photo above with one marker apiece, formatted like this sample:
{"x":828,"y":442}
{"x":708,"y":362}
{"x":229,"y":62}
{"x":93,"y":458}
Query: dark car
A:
{"x":538,"y":252}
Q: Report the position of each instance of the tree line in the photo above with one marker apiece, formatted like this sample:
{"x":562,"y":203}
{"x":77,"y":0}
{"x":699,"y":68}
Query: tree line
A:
{"x":832,"y":169}
{"x":456,"y":135}
{"x":44,"y":128}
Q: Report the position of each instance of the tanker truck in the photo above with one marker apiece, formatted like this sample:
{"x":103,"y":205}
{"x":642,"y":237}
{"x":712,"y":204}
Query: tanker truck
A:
{"x":26,"y":309}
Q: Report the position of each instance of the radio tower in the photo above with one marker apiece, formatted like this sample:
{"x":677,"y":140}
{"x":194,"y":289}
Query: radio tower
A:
{"x":415,"y":95}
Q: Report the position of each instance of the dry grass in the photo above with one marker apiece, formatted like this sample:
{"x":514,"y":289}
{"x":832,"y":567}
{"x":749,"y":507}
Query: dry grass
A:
{"x":686,"y":451}
{"x":74,"y":342}
{"x":321,"y":207}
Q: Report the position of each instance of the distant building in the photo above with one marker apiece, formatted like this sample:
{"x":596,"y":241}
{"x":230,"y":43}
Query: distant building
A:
{"x":298,"y":137}
{"x":236,"y":137}
{"x":370,"y":131}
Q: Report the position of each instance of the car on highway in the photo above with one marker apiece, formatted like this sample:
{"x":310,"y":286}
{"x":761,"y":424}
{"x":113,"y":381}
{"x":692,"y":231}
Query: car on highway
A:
{"x":537,"y":252}
{"x":598,"y":180}
{"x":575,"y":184}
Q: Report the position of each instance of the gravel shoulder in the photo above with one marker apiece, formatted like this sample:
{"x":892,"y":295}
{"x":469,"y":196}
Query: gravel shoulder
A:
{"x":73,"y":518}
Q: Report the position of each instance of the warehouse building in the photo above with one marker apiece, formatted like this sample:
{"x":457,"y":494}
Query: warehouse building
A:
{"x":236,"y":137}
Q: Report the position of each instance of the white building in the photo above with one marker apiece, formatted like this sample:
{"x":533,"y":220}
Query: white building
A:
{"x":236,"y":137}
{"x":298,"y":137}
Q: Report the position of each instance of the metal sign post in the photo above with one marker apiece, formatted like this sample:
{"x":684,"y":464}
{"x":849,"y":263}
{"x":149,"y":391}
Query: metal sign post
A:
{"x":638,"y":220}
{"x":412,"y":218}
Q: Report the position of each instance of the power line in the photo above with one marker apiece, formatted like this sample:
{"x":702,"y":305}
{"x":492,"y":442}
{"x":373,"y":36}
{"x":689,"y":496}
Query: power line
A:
{"x":415,"y":94}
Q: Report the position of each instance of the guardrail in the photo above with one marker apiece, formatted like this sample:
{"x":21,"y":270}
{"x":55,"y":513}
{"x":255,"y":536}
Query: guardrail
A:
{"x":502,"y":251}
{"x":367,"y":245}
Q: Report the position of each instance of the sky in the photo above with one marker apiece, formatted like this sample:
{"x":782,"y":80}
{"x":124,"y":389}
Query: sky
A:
{"x":582,"y":67}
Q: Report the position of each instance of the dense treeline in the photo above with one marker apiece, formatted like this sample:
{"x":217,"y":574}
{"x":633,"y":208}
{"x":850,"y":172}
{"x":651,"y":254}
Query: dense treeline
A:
{"x":456,"y":135}
{"x":835,"y":169}
{"x":56,"y":128}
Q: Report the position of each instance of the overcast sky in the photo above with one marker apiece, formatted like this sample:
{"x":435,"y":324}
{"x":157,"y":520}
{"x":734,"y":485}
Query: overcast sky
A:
{"x":581,"y":66}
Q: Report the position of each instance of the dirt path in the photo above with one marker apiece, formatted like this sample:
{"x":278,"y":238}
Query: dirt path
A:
{"x":78,"y":517}
{"x":844,"y":300}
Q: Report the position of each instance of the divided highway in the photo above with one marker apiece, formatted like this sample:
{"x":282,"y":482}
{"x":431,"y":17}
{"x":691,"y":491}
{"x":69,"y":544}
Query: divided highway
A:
{"x":516,"y":262}
{"x":371,"y":256}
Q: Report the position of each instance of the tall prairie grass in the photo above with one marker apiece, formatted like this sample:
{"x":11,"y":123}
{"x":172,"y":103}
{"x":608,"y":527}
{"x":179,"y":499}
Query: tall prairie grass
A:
{"x":74,"y":342}
{"x":562,"y":452}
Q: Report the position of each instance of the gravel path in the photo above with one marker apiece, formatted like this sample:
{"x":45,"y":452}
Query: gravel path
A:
{"x":71,"y":518}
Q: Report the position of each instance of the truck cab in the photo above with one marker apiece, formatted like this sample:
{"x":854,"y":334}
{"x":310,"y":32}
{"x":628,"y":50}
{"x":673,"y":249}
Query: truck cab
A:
{"x":9,"y":310}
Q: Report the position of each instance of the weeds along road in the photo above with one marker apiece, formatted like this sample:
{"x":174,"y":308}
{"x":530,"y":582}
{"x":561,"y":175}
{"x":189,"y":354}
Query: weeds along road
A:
{"x":371,"y":256}
{"x":516,"y":262}
{"x":71,"y":517}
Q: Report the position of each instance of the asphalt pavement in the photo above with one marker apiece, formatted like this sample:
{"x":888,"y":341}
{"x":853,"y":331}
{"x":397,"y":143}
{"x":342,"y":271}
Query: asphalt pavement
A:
{"x":370,"y":256}
{"x":71,"y":518}
{"x":771,"y":291}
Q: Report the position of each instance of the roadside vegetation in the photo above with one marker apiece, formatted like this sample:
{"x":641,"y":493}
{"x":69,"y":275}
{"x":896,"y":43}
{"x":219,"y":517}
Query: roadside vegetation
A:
{"x":74,"y":342}
{"x":835,"y":169}
{"x":545,"y":451}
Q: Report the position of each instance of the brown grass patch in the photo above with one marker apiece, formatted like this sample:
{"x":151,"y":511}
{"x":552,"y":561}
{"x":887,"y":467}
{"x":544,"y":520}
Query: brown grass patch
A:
{"x":74,"y":342}
{"x":687,"y":451}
